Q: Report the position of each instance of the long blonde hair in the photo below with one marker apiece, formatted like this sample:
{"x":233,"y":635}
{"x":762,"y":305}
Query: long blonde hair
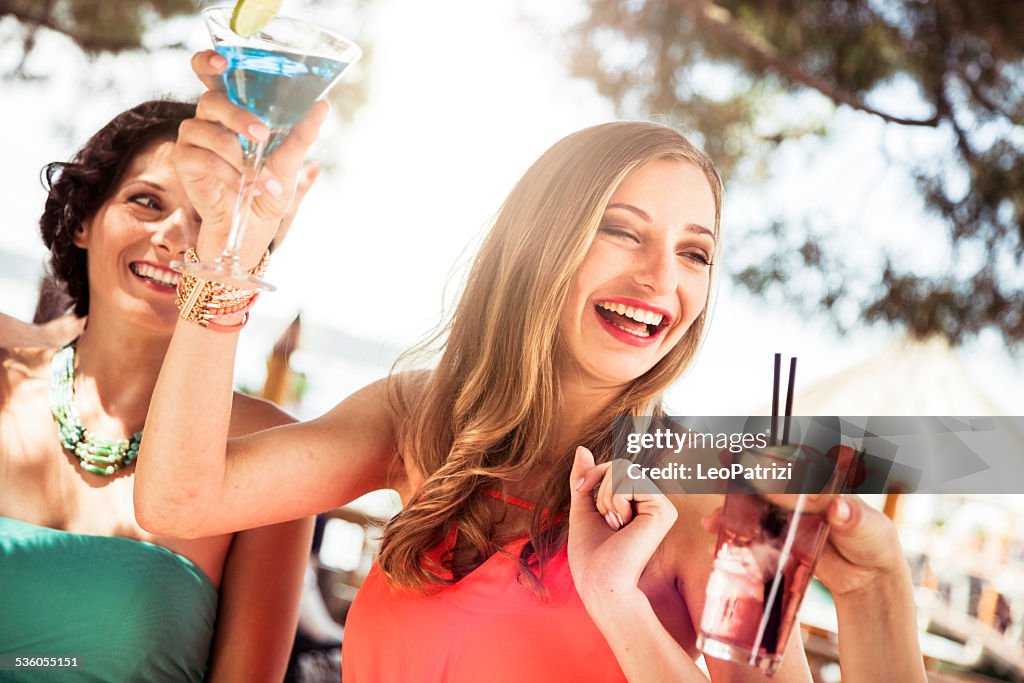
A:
{"x":486,"y":414}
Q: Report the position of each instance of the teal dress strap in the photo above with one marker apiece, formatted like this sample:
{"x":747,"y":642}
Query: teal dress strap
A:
{"x":125,"y":609}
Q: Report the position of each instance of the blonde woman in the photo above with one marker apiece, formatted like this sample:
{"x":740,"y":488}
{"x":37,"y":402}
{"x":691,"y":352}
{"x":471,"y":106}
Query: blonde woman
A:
{"x":587,"y":299}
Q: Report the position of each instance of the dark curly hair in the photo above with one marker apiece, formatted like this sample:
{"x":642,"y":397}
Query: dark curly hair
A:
{"x":77,"y":189}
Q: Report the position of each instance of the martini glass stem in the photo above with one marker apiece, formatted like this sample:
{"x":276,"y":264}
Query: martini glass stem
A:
{"x":253,"y":159}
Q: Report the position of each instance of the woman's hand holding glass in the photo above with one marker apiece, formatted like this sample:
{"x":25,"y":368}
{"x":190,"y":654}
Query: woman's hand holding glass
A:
{"x":862,"y":548}
{"x":863,"y":566}
{"x":208,"y":160}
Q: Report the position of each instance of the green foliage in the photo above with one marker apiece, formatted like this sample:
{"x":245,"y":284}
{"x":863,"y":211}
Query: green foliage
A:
{"x":738,"y":72}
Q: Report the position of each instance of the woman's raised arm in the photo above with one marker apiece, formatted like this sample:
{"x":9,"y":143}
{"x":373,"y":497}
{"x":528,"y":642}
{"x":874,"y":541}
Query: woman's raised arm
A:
{"x":190,"y":480}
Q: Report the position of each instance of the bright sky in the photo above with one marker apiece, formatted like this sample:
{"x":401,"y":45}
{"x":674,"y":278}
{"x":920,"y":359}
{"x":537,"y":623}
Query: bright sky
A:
{"x":462,"y":100}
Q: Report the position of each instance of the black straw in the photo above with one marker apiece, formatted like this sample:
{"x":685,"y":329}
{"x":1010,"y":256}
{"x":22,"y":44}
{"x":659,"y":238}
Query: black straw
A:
{"x":789,"y":400}
{"x":775,"y":399}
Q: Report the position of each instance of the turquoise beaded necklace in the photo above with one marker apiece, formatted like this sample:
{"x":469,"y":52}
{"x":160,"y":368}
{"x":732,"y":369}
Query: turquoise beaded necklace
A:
{"x":96,"y":455}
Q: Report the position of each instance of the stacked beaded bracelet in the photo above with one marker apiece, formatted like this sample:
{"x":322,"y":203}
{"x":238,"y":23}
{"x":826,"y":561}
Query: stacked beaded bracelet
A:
{"x":202,"y":301}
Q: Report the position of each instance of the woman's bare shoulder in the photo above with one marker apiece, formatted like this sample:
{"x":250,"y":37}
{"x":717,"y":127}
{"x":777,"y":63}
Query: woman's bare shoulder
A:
{"x":251,"y":414}
{"x":29,"y":357}
{"x":376,"y":418}
{"x":389,"y":399}
{"x":26,"y":350}
{"x":409,"y":386}
{"x":25,"y":411}
{"x":23,"y":364}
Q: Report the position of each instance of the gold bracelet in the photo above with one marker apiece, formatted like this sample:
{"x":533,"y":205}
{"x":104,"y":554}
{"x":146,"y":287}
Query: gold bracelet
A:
{"x":201,"y":301}
{"x":260,"y":268}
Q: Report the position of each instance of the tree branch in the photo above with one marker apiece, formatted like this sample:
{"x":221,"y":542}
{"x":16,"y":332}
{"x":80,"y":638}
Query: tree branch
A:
{"x":41,"y":16}
{"x":716,"y":20}
{"x":984,"y":100}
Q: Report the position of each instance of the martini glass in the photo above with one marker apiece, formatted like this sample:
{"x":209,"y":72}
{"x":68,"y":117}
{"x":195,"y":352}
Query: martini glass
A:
{"x":277,"y":74}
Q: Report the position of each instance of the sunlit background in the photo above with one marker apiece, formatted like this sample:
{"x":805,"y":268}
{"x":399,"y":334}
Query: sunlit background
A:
{"x":461,"y":97}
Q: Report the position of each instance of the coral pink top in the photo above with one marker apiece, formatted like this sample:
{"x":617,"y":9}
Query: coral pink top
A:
{"x":486,"y":627}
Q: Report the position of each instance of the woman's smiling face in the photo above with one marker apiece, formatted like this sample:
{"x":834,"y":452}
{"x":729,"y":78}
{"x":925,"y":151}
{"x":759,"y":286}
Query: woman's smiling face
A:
{"x":147,"y":222}
{"x":645,"y":278}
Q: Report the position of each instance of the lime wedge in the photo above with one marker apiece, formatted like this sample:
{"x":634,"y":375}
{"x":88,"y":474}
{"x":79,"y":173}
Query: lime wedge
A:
{"x":252,"y":15}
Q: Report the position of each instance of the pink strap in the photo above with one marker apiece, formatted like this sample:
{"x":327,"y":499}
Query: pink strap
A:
{"x":525,"y":504}
{"x":510,"y":499}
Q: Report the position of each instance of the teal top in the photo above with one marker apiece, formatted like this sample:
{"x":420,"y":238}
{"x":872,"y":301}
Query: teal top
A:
{"x":127,"y":610}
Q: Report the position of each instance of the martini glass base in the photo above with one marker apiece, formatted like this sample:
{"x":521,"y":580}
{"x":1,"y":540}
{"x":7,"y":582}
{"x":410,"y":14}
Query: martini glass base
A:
{"x":224,"y":271}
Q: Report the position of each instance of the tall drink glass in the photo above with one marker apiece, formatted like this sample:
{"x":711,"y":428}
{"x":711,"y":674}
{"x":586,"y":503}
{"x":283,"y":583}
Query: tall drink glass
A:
{"x":769,"y":541}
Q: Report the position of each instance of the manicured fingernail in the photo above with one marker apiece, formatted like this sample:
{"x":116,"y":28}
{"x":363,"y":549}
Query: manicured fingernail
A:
{"x":611,"y":521}
{"x":580,"y":483}
{"x":273,"y":186}
{"x":621,"y":521}
{"x":258,"y":131}
{"x":217,"y":61}
{"x":842,"y":510}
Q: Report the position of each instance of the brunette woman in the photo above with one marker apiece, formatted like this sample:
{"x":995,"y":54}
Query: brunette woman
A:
{"x":80,"y":577}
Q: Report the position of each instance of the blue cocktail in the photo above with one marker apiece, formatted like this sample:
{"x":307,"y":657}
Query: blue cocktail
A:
{"x":277,"y":74}
{"x":277,"y":86}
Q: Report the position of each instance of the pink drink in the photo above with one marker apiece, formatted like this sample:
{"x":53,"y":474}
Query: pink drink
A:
{"x":768,"y":544}
{"x":764,"y":561}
